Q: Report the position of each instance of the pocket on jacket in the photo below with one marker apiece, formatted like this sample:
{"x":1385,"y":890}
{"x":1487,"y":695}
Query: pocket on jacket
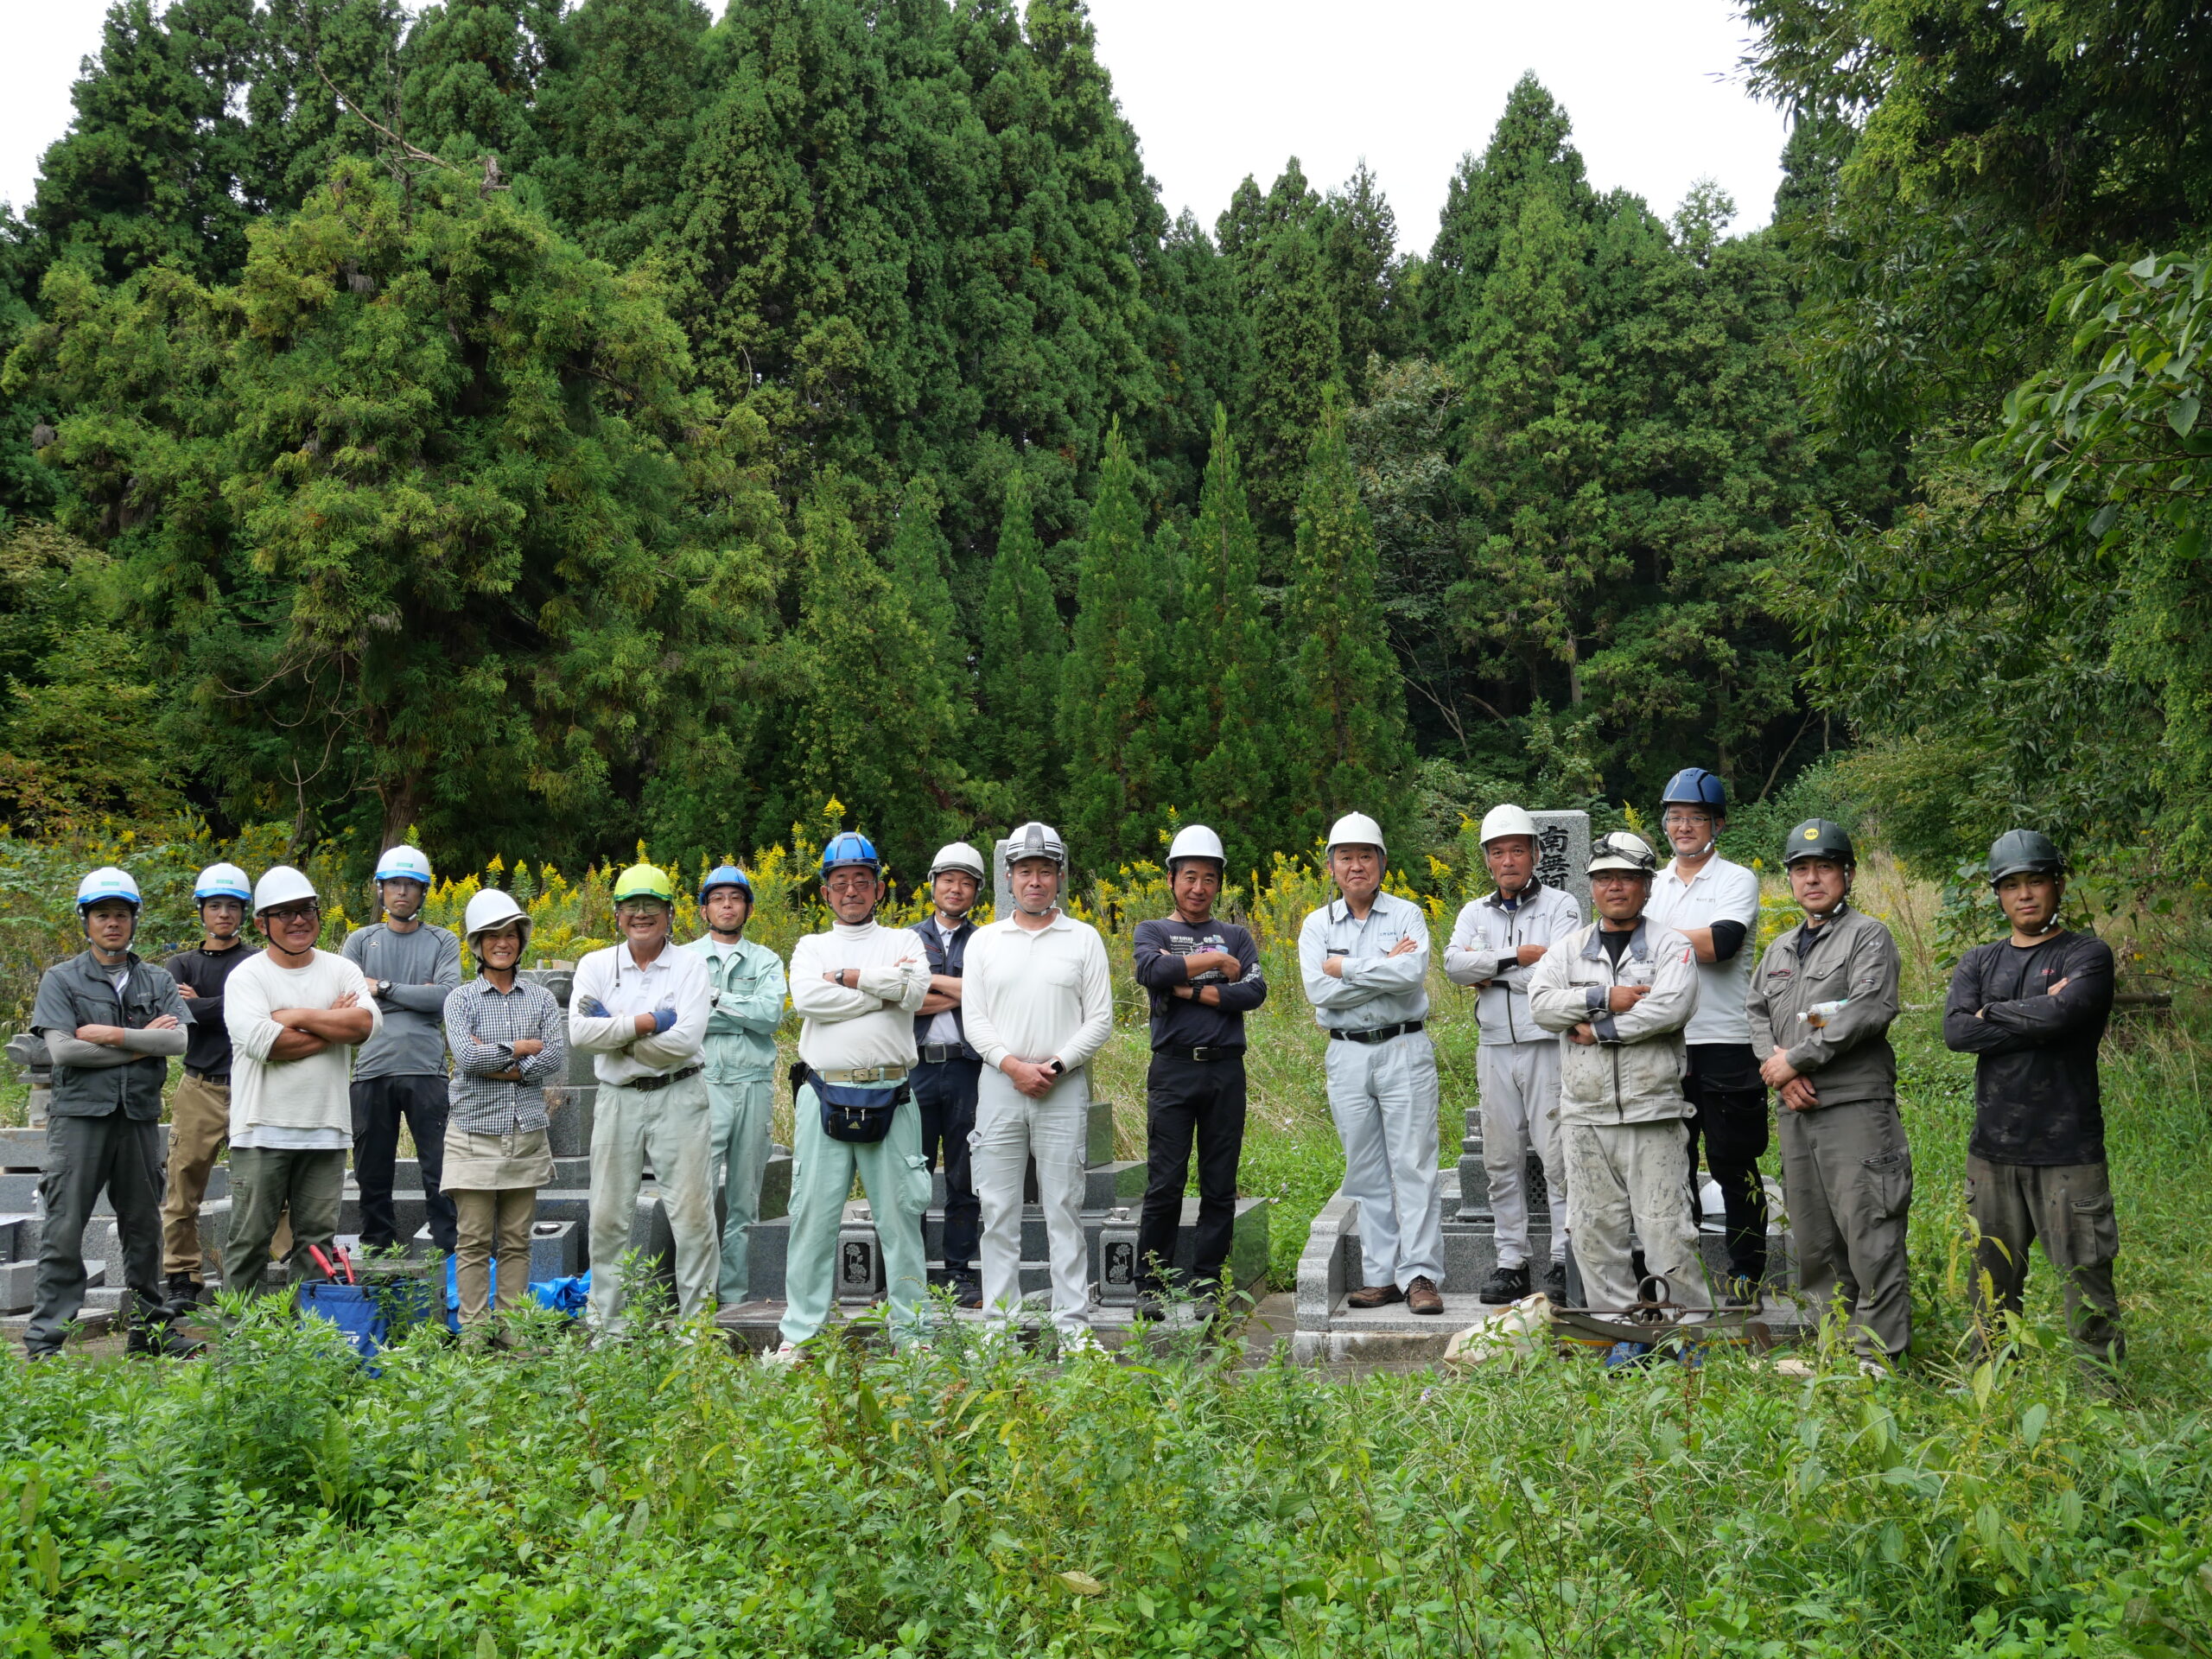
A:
{"x":1888,"y":1176}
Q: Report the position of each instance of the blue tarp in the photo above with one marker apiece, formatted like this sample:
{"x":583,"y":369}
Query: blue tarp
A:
{"x":564,"y":1296}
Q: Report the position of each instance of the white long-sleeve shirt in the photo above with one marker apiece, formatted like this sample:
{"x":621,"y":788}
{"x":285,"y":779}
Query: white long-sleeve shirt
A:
{"x":1038,"y":996}
{"x":675,"y":979}
{"x":855,"y":1029}
{"x":1486,"y":949}
{"x":1377,"y":988}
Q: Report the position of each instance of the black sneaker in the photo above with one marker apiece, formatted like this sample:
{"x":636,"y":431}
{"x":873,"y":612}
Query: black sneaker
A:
{"x":1555,"y":1284}
{"x":185,"y":1293}
{"x":1505,"y":1284}
{"x":968,"y":1290}
{"x":1149,"y":1306}
{"x":1742,"y":1291}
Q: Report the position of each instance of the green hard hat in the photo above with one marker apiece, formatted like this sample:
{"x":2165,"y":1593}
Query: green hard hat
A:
{"x":645,"y":881}
{"x":2017,"y":851}
{"x":1819,"y":838}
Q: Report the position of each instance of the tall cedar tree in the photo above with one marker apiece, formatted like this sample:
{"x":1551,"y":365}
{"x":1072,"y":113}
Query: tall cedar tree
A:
{"x":877,"y":728}
{"x":1025,"y":647}
{"x":299,"y":128}
{"x":1117,"y":745}
{"x":616,"y":117}
{"x":1232,"y":739}
{"x":150,"y":167}
{"x":402,"y":513}
{"x":472,"y":72}
{"x":1346,"y":726}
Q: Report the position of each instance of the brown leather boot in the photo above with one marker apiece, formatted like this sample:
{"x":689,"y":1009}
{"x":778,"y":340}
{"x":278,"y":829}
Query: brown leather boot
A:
{"x":1376,"y":1296}
{"x":1423,"y":1297}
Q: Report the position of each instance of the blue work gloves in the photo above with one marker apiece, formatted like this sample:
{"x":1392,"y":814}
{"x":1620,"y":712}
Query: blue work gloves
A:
{"x":596,"y":1008}
{"x":663,"y":1018}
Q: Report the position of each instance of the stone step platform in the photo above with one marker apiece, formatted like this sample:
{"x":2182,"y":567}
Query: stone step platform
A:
{"x":1392,"y":1335}
{"x":1330,"y":1268}
{"x":1109,"y":1241}
{"x":756,"y":1326}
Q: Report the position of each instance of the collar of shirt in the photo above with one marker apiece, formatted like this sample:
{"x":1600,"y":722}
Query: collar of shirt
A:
{"x":1810,"y":933}
{"x":1060,"y":921}
{"x":1636,"y":946}
{"x":1385,"y":908}
{"x":1528,"y":895}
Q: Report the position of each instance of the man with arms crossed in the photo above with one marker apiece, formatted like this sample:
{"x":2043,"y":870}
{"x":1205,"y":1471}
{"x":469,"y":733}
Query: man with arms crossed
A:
{"x":400,"y":1073}
{"x":199,"y":1111}
{"x":857,"y":987}
{"x":1203,"y":975}
{"x":110,"y":1022}
{"x":2031,"y":1009}
{"x":295,"y":1014}
{"x":1365,"y":961}
{"x":1496,"y":945}
{"x":1619,"y":992}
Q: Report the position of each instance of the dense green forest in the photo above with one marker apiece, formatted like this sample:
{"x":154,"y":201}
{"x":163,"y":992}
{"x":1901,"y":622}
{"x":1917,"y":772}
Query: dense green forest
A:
{"x":550,"y":425}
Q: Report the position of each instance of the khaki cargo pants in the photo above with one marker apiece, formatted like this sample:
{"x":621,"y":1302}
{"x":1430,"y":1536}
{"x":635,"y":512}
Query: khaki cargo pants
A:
{"x":199,"y":1126}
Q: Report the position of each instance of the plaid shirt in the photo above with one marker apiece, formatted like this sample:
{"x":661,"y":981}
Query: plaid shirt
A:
{"x":482,"y":1025}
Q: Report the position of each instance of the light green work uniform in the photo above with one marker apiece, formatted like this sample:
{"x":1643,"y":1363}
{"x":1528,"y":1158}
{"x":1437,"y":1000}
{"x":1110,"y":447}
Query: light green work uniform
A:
{"x":897,"y":1183}
{"x":740,"y":1059}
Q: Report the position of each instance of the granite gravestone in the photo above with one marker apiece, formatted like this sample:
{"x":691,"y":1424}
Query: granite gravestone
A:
{"x":1562,"y":861}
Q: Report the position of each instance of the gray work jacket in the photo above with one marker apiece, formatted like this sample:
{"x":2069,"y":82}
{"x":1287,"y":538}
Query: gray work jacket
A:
{"x":79,"y":992}
{"x":1850,"y":958}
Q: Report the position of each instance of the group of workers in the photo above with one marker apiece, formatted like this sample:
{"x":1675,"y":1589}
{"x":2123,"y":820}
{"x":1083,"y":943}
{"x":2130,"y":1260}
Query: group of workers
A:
{"x":1609,"y":1050}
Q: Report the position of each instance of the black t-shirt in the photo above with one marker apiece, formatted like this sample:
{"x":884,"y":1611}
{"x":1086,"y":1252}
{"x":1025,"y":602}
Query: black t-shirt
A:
{"x":207,"y":1048}
{"x":2036,"y":1093}
{"x":1615,"y":944}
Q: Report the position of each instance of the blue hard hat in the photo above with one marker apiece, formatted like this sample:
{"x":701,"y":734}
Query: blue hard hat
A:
{"x":850,"y":847}
{"x":726,"y":876}
{"x":1695,"y":786}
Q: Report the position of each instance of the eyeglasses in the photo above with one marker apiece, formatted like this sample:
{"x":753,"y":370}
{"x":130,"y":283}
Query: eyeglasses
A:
{"x":1677,"y":820}
{"x":293,"y":913}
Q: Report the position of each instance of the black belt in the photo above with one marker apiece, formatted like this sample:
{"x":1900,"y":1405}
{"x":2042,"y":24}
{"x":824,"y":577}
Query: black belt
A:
{"x":938,"y":1053}
{"x":649,"y":1084}
{"x":223,"y":1077}
{"x":1379,"y":1034}
{"x":1203,"y":1054}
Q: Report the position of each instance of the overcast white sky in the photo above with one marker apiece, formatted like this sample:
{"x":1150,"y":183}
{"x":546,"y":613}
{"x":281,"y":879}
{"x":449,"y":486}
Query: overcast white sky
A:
{"x":1219,"y":88}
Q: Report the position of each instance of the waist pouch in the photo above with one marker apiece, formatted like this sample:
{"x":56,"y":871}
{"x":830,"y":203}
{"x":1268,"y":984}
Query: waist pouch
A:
{"x":852,"y":1113}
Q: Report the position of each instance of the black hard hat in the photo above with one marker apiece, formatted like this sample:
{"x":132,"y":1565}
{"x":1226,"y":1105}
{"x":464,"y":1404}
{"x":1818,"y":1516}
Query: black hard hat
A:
{"x":2019,"y":850}
{"x":1819,"y":838}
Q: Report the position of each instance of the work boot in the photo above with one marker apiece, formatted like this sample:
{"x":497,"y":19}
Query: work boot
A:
{"x":162,"y":1340}
{"x":1423,"y":1297}
{"x":1376,"y":1296}
{"x":1742,"y":1291}
{"x":1149,"y":1306}
{"x":968,"y":1289}
{"x":184,"y":1292}
{"x":1505,"y":1284}
{"x":1555,"y":1284}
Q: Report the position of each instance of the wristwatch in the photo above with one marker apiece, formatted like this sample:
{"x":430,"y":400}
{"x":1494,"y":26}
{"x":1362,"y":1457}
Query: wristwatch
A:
{"x":383,"y":988}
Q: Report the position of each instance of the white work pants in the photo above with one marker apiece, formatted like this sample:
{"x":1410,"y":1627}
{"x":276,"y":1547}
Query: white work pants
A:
{"x":1010,"y":1129}
{"x":672,"y":1127}
{"x":1624,"y":1174}
{"x":1383,"y":1097}
{"x":1520,"y":1107}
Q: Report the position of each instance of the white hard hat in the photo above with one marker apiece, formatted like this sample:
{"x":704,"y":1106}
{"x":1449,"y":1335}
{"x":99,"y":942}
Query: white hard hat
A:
{"x":956,"y":855}
{"x":107,"y":882}
{"x":1355,"y":829}
{"x":491,"y":910}
{"x":1196,"y":840}
{"x":1508,"y":820}
{"x":281,"y":884}
{"x":403,"y":863}
{"x":1619,"y":849}
{"x":223,"y":881}
{"x":1036,"y":840}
